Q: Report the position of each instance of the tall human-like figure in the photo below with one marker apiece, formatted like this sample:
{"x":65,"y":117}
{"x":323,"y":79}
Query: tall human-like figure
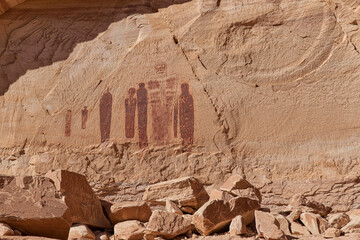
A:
{"x":68,"y":123}
{"x":130,"y":107}
{"x":142,"y":100}
{"x":105,"y":115}
{"x":186,"y":116}
{"x":84,"y":116}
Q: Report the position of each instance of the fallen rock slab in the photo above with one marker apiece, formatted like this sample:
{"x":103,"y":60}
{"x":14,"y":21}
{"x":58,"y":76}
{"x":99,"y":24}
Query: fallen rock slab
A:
{"x":171,"y":207}
{"x":220,"y":195}
{"x":80,"y":231}
{"x":185,"y":192}
{"x":124,"y":211}
{"x":268,"y":227}
{"x":283,"y":224}
{"x":48,"y":206}
{"x":212,"y":217}
{"x":129,"y":230}
{"x":298,"y":229}
{"x":167,"y":225}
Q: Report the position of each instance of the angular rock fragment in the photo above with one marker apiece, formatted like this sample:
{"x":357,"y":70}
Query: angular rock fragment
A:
{"x":129,"y":230}
{"x":212,"y":217}
{"x":245,"y":207}
{"x":167,"y":225}
{"x":220,"y":195}
{"x":283,"y":224}
{"x":332,"y":233}
{"x":237,"y":185}
{"x":305,"y":205}
{"x":48,"y":206}
{"x":5,"y":230}
{"x":80,"y":231}
{"x":185,"y":192}
{"x":268,"y":227}
{"x":124,"y":211}
{"x":298,"y":229}
{"x":294,"y":215}
{"x":171,"y":207}
{"x":311,"y":222}
{"x":338,"y":220}
{"x":102,"y":236}
{"x":237,"y":226}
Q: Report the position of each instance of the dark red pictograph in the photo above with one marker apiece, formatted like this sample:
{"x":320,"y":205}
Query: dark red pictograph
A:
{"x":186,"y":115}
{"x":105,"y":115}
{"x":142,"y":99}
{"x":68,"y":123}
{"x":130,"y":107}
{"x":84,"y":117}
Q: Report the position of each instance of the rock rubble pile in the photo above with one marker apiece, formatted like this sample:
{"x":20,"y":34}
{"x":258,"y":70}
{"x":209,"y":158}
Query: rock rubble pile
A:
{"x":62,"y":205}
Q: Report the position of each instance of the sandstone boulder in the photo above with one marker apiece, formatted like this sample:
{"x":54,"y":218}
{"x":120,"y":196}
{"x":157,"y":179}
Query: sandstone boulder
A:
{"x":338,"y":220}
{"x":354,"y":224}
{"x":294,"y":215}
{"x":129,"y":230}
{"x":5,"y":230}
{"x":80,"y":231}
{"x":237,"y":226}
{"x":268,"y":227}
{"x":124,"y":211}
{"x":245,"y":207}
{"x":305,"y":205}
{"x":171,"y":207}
{"x":239,"y":186}
{"x":212,"y":217}
{"x":167,"y":225}
{"x":185,"y":192}
{"x":48,"y":206}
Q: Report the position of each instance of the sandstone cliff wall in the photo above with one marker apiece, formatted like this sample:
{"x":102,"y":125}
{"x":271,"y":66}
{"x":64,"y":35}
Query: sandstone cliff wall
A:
{"x":132,"y":92}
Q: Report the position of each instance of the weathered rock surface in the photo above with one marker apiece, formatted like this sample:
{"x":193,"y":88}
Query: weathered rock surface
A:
{"x":298,"y":229}
{"x":47,"y":206}
{"x":245,"y":207}
{"x":185,"y":192}
{"x":311,"y":222}
{"x":257,"y":74}
{"x":332,"y":233}
{"x":172,"y":207}
{"x":80,"y":231}
{"x":238,"y":186}
{"x":123,"y":211}
{"x":338,"y":220}
{"x":268,"y":227}
{"x":129,"y":230}
{"x":167,"y":225}
{"x":284,"y":224}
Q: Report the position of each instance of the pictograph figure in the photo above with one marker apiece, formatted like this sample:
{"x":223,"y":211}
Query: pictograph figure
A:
{"x":142,"y":100}
{"x":84,"y":116}
{"x":130,"y":107}
{"x":68,"y":124}
{"x":185,"y":106}
{"x":105,"y":115}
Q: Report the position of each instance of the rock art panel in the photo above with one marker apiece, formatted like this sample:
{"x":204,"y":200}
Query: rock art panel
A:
{"x":105,"y":115}
{"x":130,"y":107}
{"x":68,"y":123}
{"x":142,"y":97}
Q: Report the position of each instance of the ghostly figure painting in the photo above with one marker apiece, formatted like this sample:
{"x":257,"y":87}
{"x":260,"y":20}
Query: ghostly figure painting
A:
{"x":142,"y":100}
{"x":184,"y":111}
{"x":68,"y":123}
{"x":105,"y":115}
{"x":84,"y":116}
{"x":130,"y":107}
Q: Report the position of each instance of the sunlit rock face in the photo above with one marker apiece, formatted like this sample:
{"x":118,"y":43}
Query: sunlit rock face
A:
{"x":135,"y":92}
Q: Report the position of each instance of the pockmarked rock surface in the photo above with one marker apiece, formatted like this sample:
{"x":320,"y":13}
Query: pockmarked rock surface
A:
{"x":47,"y":206}
{"x":131,"y":93}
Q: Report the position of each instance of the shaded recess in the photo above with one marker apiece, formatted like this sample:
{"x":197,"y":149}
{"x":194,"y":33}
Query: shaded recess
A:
{"x":38,"y":33}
